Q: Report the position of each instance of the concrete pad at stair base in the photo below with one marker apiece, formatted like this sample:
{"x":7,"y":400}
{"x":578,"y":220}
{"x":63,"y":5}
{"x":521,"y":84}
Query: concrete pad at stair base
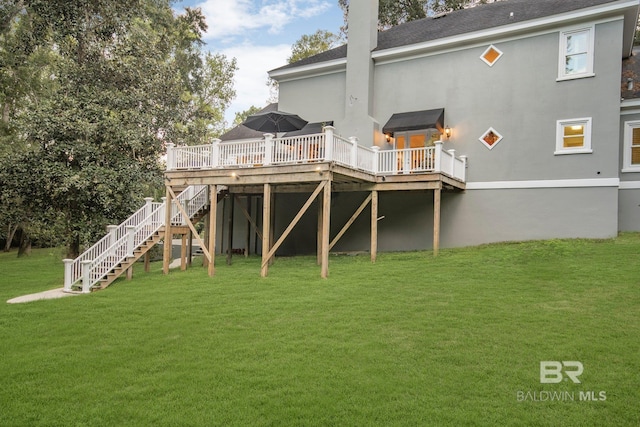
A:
{"x":51,"y":294}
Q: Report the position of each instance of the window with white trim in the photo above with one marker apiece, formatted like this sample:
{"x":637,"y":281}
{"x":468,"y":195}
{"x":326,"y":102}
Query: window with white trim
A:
{"x":631,"y":155}
{"x":576,"y":54}
{"x":573,"y":136}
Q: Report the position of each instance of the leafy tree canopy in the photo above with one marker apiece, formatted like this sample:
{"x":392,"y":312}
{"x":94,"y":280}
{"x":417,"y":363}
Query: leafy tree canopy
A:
{"x":312,"y":44}
{"x":90,"y":93}
{"x":392,"y":12}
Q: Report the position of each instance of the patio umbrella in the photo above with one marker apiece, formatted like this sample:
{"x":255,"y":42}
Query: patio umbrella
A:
{"x":274,"y":122}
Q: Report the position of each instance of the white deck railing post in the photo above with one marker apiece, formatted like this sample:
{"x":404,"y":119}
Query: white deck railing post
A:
{"x":131,"y":234}
{"x":354,"y":152}
{"x":268,"y":149}
{"x":453,"y":162}
{"x":68,"y":265}
{"x":215,"y":153}
{"x":438,"y":166}
{"x":86,"y":276}
{"x":463,"y":174}
{"x":328,"y":142}
{"x":376,"y":153}
{"x":170,"y":156}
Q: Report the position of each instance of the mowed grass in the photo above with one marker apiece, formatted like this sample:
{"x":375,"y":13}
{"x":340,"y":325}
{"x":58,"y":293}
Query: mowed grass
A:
{"x":411,"y":340}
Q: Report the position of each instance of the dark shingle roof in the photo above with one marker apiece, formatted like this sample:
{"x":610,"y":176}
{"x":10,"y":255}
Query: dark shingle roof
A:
{"x":460,"y":22}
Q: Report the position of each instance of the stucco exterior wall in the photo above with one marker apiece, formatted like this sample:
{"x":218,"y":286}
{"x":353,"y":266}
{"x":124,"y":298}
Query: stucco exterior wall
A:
{"x":629,"y":210}
{"x":315,"y":99}
{"x":521,"y":98}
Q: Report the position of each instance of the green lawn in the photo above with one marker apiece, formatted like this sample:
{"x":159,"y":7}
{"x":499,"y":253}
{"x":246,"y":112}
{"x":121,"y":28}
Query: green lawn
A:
{"x":411,"y":340}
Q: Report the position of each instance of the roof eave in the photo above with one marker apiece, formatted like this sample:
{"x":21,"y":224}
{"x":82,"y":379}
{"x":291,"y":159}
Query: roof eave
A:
{"x":628,"y":8}
{"x":326,"y":67}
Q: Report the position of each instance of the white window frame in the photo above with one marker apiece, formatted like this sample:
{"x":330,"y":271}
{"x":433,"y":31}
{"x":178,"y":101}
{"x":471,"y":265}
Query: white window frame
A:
{"x":586,"y":147}
{"x":628,"y":139}
{"x":562,"y":74}
{"x":491,"y":64}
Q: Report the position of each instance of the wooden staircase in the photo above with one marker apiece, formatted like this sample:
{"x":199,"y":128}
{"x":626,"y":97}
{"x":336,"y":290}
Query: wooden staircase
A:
{"x":145,"y":247}
{"x":128,"y":263}
{"x":123,"y":245}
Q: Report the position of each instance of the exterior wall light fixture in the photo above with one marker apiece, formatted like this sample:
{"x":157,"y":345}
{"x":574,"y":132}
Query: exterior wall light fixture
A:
{"x":447,"y":132}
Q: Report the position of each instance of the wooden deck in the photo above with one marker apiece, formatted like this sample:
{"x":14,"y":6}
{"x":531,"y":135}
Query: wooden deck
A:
{"x":321,"y":179}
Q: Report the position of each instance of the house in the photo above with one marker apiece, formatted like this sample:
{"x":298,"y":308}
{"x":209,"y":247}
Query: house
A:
{"x":497,"y":123}
{"x":531,"y":93}
{"x":512,"y":121}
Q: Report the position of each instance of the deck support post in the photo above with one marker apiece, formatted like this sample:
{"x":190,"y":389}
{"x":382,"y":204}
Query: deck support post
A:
{"x":190,"y":249}
{"x":166,"y":253}
{"x":436,"y":220}
{"x":183,"y":252}
{"x":266,"y":230}
{"x":230,"y":231}
{"x":213,"y":210}
{"x":326,"y":214}
{"x":247,"y":245}
{"x":353,"y":218}
{"x":374,"y":225}
{"x":319,"y":233}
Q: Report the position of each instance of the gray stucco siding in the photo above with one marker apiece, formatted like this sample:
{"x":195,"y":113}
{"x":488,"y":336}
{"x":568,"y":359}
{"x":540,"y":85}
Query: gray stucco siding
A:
{"x":469,"y":218}
{"x":629,"y":210}
{"x":519,"y":97}
{"x":315,"y":98}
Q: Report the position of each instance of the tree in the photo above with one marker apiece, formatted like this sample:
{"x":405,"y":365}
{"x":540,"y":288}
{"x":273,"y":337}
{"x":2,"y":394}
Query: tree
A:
{"x":312,"y":44}
{"x":306,"y":46}
{"x":392,"y":12}
{"x":123,"y":79}
{"x":241,"y":116}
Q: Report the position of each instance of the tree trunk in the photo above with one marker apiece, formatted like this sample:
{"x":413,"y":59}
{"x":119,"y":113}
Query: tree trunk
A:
{"x":74,"y":248}
{"x":25,"y":245}
{"x":11,"y":232}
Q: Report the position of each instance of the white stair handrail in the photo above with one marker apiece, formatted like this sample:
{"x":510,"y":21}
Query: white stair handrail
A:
{"x":119,"y":243}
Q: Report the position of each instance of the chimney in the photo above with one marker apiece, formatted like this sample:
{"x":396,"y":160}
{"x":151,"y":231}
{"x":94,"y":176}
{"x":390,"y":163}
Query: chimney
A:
{"x":362,"y":39}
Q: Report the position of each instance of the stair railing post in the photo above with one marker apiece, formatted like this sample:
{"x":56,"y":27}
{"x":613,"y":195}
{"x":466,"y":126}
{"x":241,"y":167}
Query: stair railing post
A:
{"x":148,"y":206}
{"x":268,"y":148}
{"x":438,"y":165}
{"x":215,"y":153}
{"x":170,"y":156}
{"x":131,"y":234}
{"x":68,"y":271}
{"x":86,"y":276}
{"x":112,"y":231}
{"x":376,"y":153}
{"x":329,"y":132}
{"x":354,"y":151}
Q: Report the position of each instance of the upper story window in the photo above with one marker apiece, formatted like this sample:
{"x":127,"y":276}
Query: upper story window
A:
{"x":631,"y":155}
{"x":573,"y":136}
{"x":576,"y":53}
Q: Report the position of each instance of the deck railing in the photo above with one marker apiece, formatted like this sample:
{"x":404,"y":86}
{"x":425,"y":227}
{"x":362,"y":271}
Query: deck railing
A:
{"x":322,"y":147}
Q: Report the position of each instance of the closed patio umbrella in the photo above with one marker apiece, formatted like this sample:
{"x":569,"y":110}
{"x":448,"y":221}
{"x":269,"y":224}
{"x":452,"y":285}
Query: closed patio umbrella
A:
{"x":274,"y":122}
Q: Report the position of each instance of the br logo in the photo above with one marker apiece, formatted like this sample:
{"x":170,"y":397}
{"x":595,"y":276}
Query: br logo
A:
{"x":551,"y":372}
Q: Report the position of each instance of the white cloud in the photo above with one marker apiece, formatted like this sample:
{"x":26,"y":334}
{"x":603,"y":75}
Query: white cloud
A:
{"x":228,"y":19}
{"x":251,"y":78}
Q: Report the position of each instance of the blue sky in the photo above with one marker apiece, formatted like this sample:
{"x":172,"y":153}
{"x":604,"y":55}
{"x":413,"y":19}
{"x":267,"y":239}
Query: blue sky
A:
{"x":259,"y":34}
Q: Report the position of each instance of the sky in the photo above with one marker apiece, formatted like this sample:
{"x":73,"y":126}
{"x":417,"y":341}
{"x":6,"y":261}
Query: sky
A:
{"x":259,"y":34}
